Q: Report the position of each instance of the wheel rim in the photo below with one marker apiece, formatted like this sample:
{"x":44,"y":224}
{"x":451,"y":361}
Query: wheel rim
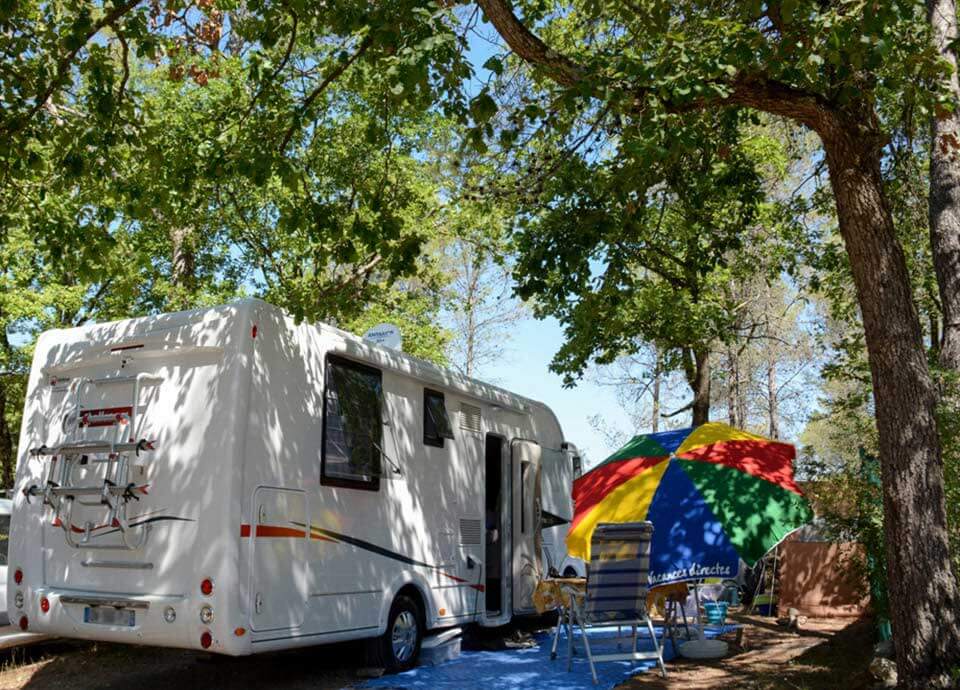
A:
{"x":404,"y":636}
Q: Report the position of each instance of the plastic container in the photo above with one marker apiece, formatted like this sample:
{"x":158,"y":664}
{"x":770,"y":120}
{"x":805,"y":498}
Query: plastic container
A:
{"x":716,"y":611}
{"x":763,"y":604}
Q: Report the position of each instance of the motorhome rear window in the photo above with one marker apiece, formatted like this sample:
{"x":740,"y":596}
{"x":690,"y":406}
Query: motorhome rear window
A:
{"x":436,"y":422}
{"x":352,"y":425}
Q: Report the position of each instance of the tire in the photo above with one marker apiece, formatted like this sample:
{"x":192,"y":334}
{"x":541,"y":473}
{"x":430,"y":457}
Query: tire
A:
{"x":569,"y":572}
{"x":399,"y":647}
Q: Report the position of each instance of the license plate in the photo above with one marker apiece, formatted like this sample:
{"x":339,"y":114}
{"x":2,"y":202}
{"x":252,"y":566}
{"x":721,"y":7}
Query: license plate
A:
{"x":108,"y":615}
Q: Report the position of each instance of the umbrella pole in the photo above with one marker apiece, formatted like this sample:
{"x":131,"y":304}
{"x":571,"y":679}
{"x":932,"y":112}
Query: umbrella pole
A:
{"x":696,"y":599}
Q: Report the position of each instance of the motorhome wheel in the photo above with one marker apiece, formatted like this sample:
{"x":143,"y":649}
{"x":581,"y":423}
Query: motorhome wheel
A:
{"x":399,"y":648}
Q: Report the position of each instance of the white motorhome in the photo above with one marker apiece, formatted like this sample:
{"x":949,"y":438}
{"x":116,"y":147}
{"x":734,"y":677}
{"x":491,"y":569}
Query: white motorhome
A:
{"x":226,"y":479}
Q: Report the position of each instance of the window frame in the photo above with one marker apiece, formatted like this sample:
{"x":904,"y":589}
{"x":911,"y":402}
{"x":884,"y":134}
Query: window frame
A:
{"x":438,"y":440}
{"x":372,"y":484}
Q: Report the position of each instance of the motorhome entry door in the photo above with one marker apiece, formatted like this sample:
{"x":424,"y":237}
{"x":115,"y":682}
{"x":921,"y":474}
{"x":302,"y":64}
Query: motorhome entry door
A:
{"x":527,"y":566}
{"x":279,"y":554}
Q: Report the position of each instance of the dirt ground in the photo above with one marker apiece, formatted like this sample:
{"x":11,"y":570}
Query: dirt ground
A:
{"x":83,"y":666}
{"x":825,"y":654}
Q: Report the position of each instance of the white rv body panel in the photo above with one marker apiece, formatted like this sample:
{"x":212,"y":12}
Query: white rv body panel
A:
{"x":234,"y":491}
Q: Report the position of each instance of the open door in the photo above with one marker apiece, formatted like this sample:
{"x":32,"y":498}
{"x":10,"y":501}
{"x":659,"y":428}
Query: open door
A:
{"x":527,"y":547}
{"x":556,"y":483}
{"x":497,"y":537}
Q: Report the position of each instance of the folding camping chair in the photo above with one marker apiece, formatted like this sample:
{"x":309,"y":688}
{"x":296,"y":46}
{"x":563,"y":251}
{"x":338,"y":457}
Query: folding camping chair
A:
{"x":616,"y":594}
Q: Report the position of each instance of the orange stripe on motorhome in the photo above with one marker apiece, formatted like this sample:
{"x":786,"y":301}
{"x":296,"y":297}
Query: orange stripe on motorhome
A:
{"x":277,"y":531}
{"x":768,"y":460}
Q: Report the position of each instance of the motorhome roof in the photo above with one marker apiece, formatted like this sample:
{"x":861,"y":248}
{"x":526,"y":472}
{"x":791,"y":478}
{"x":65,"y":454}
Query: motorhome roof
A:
{"x":430,"y":373}
{"x":354,"y":346}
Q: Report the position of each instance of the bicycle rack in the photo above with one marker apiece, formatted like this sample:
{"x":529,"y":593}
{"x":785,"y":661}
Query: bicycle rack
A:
{"x":59,"y":493}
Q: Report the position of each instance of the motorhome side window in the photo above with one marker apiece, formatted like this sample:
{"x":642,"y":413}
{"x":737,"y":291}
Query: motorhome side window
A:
{"x":436,"y":422}
{"x":352,"y":425}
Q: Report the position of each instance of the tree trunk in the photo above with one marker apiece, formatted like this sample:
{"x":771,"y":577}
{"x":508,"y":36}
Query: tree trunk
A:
{"x":924,"y":596}
{"x":944,"y":201}
{"x":657,"y":380}
{"x":471,"y":302}
{"x":8,"y":462}
{"x":773,"y":412}
{"x":733,"y":383}
{"x":182,"y":268}
{"x":701,"y":387}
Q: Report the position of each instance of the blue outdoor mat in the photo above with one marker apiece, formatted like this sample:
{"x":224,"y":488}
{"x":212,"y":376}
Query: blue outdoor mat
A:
{"x":531,"y":668}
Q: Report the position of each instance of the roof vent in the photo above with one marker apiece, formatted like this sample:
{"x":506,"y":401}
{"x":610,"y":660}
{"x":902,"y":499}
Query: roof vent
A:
{"x":469,"y":417}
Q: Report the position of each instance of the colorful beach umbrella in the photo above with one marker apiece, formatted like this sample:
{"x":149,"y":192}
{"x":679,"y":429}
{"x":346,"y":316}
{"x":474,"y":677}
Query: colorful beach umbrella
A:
{"x":715,"y":494}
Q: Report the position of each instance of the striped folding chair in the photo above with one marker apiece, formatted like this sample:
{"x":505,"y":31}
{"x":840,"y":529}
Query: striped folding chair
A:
{"x":617,"y":584}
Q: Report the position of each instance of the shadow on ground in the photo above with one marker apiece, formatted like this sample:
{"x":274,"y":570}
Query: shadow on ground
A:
{"x":121,"y":667}
{"x":825,"y":655}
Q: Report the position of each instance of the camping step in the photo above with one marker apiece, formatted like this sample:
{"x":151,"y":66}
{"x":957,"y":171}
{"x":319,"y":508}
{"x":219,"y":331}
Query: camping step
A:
{"x":440,"y":647}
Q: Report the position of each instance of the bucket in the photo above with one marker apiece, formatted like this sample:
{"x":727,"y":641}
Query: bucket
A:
{"x":716,"y":611}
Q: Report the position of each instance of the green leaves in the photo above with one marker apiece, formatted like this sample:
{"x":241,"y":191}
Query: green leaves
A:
{"x":482,"y":107}
{"x":494,"y":64}
{"x":639,"y":246}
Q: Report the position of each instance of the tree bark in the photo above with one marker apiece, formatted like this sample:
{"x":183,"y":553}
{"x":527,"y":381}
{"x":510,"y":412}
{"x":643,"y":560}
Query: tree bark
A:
{"x":733,"y":382}
{"x":657,"y":380}
{"x":700,"y":384}
{"x":8,"y":462}
{"x":944,"y":200}
{"x":773,"y":411}
{"x":924,"y":596}
{"x":182,"y":267}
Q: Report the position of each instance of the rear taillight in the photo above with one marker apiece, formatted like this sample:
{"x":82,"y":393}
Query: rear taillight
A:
{"x":206,"y":639}
{"x":44,"y":604}
{"x":18,"y":576}
{"x":206,"y":587}
{"x":24,"y":623}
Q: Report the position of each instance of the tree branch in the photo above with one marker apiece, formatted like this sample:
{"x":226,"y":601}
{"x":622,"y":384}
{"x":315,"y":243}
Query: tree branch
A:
{"x":329,"y":79}
{"x":667,"y":415}
{"x":63,"y":65}
{"x":125,"y":57}
{"x":529,"y":46}
{"x":753,"y":91}
{"x":276,"y":72}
